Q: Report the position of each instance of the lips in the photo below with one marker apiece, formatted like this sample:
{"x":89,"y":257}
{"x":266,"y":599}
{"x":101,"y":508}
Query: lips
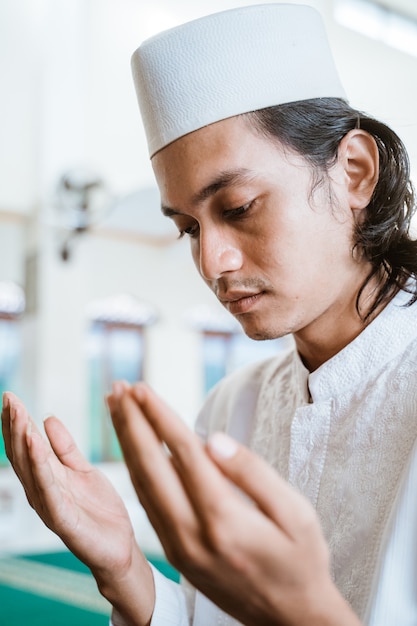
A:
{"x":237,"y":303}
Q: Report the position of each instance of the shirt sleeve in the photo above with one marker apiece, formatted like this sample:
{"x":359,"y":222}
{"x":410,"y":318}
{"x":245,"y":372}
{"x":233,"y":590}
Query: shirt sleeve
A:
{"x":174,"y":604}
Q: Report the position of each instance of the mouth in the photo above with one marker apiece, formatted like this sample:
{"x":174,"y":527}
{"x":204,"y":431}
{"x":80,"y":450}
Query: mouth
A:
{"x":241,"y":303}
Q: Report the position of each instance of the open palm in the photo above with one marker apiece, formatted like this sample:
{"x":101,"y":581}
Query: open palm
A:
{"x":71,"y":496}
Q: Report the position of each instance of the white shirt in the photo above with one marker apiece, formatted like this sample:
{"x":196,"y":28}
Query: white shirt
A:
{"x":345,"y":436}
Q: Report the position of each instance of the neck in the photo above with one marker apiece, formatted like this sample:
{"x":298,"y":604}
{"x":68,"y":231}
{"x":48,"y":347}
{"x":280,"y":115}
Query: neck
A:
{"x":331,"y":332}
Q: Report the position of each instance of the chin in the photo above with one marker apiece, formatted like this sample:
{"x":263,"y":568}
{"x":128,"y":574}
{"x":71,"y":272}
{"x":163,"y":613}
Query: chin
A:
{"x":261,"y":334}
{"x":264,"y":330}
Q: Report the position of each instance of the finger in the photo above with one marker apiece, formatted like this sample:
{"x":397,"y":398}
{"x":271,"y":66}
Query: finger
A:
{"x":11,"y":405}
{"x":48,"y":497}
{"x":40,"y":456}
{"x":5,"y":424}
{"x":209,"y":527}
{"x":286,"y":507}
{"x":113,"y":401}
{"x":207,"y":490}
{"x":157,"y":484}
{"x":143,"y":452}
{"x":164,"y":421}
{"x":18,"y":426}
{"x":64,"y":446}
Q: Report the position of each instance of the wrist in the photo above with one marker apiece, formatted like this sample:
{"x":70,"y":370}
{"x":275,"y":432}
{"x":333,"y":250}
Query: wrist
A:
{"x":130,"y":590}
{"x":329,"y":608}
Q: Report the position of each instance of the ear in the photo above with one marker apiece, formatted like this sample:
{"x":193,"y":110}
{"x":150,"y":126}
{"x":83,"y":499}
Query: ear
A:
{"x":358,"y":154}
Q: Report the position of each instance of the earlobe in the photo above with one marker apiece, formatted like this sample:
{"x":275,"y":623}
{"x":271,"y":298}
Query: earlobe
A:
{"x":359,"y":153}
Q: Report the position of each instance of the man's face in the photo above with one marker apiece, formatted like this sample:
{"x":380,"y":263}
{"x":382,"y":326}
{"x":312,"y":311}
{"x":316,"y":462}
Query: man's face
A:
{"x":277,"y":254}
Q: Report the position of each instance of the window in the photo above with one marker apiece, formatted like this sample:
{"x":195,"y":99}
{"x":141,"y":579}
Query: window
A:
{"x":225,"y":347}
{"x":225,"y":352}
{"x":12,"y":306}
{"x":116,"y":351}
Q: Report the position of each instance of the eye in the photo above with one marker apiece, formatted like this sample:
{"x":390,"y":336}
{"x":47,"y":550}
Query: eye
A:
{"x":191,"y":231}
{"x":238,"y":211}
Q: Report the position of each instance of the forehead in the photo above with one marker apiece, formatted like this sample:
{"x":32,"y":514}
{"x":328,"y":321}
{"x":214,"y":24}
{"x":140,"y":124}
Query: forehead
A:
{"x":231,"y":150}
{"x":213,"y":142}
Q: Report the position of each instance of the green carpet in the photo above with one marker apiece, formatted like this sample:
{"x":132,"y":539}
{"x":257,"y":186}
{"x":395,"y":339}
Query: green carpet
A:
{"x":55,"y":589}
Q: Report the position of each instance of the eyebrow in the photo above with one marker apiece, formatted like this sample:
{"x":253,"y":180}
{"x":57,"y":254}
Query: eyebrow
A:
{"x":224,"y":179}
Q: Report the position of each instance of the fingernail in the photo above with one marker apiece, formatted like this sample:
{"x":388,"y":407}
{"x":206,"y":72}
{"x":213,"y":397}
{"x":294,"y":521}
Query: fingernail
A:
{"x":222,"y":445}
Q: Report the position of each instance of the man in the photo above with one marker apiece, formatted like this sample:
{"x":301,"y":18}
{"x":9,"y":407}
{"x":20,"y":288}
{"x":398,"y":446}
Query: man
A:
{"x":298,"y":210}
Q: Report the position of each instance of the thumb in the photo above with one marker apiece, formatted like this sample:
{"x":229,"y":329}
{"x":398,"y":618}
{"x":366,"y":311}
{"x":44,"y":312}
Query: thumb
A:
{"x":64,"y":445}
{"x":257,"y":479}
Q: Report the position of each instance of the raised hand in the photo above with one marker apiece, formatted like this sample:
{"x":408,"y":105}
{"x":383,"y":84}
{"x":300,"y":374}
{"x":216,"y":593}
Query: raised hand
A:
{"x":79,"y":504}
{"x":256,"y":551}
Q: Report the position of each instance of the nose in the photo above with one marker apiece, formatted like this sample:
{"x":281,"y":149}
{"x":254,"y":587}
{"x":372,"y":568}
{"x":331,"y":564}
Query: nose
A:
{"x":218,"y":255}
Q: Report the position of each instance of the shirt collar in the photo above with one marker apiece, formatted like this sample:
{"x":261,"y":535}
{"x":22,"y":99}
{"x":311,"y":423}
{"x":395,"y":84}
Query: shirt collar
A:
{"x":380,"y":342}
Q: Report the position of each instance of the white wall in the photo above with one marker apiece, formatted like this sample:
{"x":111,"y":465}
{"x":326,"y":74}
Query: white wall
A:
{"x":64,"y":66}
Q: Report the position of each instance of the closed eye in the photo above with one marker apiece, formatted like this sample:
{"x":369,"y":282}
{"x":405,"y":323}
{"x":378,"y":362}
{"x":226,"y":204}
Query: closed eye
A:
{"x":238,"y":211}
{"x":191,"y":231}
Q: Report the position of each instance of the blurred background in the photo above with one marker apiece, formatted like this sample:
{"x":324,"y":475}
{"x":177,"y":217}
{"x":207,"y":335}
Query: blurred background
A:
{"x":94,"y":284}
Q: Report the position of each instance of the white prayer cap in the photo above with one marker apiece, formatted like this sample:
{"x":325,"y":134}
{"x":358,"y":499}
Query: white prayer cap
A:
{"x":230,"y":63}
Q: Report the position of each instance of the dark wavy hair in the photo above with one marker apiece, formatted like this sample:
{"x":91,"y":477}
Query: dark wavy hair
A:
{"x":314,"y":129}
